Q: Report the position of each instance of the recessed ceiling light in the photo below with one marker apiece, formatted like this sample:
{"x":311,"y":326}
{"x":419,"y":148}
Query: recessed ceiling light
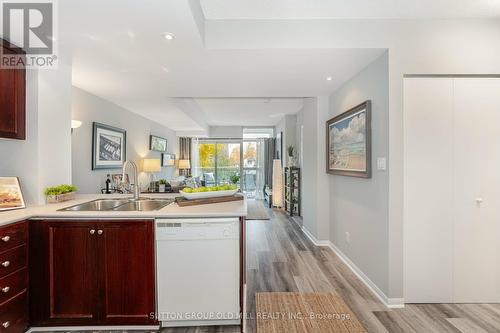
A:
{"x":328,"y":78}
{"x":168,"y":36}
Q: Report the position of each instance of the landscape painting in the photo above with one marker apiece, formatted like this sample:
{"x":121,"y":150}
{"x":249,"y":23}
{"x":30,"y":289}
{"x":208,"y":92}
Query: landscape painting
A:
{"x":349,"y":142}
{"x":11,"y":196}
{"x":108,"y":147}
{"x":157,"y":144}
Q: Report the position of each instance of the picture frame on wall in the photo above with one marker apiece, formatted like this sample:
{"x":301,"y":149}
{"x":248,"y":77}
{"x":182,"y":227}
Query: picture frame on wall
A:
{"x":157,"y":143}
{"x":109,"y":147}
{"x":167,"y":159}
{"x":348,"y":142}
{"x":11,"y":196}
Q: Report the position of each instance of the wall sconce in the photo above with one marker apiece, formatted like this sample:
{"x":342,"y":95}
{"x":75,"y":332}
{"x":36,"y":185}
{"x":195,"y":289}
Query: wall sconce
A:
{"x":75,"y":124}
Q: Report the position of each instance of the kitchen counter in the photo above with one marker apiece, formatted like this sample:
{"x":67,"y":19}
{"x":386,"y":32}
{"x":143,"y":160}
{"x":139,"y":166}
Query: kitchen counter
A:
{"x":226,"y":209}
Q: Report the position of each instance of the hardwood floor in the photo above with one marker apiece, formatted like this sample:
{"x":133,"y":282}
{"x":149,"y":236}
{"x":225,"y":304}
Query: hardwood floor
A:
{"x":281,"y":258}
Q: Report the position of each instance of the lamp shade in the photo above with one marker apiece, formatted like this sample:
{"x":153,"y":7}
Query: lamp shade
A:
{"x":151,"y":165}
{"x":75,"y":123}
{"x":277,"y":183}
{"x":184,"y":164}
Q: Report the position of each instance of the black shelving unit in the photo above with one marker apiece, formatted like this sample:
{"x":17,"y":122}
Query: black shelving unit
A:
{"x":292,"y":191}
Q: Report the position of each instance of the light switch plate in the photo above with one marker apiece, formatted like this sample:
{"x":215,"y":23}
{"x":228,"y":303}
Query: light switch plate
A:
{"x":381,"y":163}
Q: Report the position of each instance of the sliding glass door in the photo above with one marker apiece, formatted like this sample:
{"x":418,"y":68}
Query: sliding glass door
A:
{"x":219,"y":162}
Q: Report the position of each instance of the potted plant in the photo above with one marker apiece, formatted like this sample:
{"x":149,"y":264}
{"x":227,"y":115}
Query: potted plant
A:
{"x":162,"y":184}
{"x":60,"y":193}
{"x":291,"y":156}
{"x":234,"y":178}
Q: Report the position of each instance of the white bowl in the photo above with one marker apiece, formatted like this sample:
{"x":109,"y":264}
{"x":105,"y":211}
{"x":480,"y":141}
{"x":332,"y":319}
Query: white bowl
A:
{"x":205,"y":195}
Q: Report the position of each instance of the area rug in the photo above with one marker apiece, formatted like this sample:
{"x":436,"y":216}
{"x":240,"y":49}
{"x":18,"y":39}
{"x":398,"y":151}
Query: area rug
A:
{"x":256,"y":210}
{"x":303,"y":313}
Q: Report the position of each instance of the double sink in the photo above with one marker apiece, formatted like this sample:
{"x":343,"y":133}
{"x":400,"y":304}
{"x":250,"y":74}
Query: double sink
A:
{"x":142,"y":204}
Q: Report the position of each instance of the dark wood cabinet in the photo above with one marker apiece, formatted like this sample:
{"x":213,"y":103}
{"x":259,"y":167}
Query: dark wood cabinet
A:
{"x":14,"y":278}
{"x":92,"y":272}
{"x":12,"y":98}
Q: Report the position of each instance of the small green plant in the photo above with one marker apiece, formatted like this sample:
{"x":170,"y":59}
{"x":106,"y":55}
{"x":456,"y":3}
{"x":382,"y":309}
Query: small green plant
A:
{"x":291,"y":150}
{"x":61,"y":189}
{"x":162,"y":182}
{"x":234,"y":178}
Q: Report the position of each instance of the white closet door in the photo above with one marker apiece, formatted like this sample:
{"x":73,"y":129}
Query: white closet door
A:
{"x":428,"y":115}
{"x":476,"y":210}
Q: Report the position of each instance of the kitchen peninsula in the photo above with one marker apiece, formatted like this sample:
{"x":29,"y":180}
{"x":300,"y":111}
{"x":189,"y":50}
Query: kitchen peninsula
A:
{"x":111,"y":261}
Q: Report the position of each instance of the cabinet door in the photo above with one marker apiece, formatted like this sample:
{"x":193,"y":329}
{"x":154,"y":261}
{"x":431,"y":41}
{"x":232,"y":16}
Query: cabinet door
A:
{"x":127,"y":286}
{"x":63,"y":272}
{"x":476,"y":192}
{"x":12,"y":101}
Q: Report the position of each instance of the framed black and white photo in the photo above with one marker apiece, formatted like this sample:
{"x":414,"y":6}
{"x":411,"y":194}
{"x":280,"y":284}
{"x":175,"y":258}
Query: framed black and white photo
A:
{"x":348,"y":142}
{"x":109,"y":147}
{"x":167,"y":159}
{"x":157,"y":143}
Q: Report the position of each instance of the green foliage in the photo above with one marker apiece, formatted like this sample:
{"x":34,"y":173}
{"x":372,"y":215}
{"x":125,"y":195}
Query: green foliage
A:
{"x":61,"y":189}
{"x":162,"y":182}
{"x":210,"y":189}
{"x":234,"y":178}
{"x":291,"y":150}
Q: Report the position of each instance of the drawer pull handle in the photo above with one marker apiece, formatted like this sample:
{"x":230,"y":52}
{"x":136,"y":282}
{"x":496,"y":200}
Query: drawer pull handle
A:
{"x":6,"y":238}
{"x":6,"y":289}
{"x":6,"y":324}
{"x":92,"y":231}
{"x":99,"y":232}
{"x":6,"y":263}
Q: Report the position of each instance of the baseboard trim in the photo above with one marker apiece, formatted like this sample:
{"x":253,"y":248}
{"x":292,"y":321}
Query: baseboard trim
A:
{"x":94,"y":328}
{"x":393,"y":303}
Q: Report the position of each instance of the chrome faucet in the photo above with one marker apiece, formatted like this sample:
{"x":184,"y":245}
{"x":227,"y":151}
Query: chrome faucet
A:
{"x":136,"y":180}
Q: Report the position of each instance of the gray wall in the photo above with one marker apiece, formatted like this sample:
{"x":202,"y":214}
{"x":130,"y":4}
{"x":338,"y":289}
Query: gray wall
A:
{"x":226,"y":132}
{"x":287,"y":125}
{"x":360,"y":206}
{"x":89,"y":108}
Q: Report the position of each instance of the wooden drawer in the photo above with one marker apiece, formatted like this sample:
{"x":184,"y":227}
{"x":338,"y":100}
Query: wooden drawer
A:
{"x":13,"y":284}
{"x":14,"y":315}
{"x":13,"y":235}
{"x":12,"y":260}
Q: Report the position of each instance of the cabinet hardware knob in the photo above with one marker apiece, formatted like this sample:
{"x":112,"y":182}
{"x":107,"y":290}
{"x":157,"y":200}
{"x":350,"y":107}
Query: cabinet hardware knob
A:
{"x":6,"y":263}
{"x":6,"y":238}
{"x":100,"y":232}
{"x":6,"y":324}
{"x":92,"y":231}
{"x":6,"y":289}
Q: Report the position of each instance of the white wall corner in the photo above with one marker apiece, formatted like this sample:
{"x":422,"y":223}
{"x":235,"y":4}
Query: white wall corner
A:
{"x":393,"y":303}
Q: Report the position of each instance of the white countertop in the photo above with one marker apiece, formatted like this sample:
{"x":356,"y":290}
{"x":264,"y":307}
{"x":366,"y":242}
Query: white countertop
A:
{"x":226,"y":209}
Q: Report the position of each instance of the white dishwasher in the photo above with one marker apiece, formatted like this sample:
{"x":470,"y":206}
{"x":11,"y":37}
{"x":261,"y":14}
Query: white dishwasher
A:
{"x":198,"y":271}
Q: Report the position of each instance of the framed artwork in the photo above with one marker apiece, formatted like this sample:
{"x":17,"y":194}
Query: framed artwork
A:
{"x":157,"y":144}
{"x":348,"y":142}
{"x":11,"y":196}
{"x":109,"y":147}
{"x":117,"y":182}
{"x":167,"y":159}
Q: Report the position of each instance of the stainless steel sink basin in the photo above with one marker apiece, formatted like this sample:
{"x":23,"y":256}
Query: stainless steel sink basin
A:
{"x":97,"y":205}
{"x":144,"y":205}
{"x":120,"y":205}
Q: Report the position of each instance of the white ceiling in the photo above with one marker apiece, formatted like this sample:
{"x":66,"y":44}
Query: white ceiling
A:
{"x":248,"y":111}
{"x":349,"y":9}
{"x":119,"y":54}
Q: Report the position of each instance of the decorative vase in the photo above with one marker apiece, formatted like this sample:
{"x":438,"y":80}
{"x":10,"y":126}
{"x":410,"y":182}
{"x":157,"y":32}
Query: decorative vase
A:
{"x":292,"y":162}
{"x":60,"y":197}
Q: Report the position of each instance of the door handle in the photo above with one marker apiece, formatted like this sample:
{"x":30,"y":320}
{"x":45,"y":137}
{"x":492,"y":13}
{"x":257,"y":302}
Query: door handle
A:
{"x":6,"y":289}
{"x":6,"y":263}
{"x":6,"y":238}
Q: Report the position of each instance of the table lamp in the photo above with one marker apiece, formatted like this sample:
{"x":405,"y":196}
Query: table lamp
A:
{"x":150,"y":166}
{"x":184,"y":165}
